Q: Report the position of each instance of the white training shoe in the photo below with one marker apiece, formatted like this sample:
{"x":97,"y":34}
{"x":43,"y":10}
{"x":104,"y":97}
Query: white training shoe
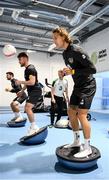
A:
{"x":32,"y":131}
{"x":84,"y":153}
{"x":13,"y":119}
{"x":18,"y":119}
{"x":75,"y":144}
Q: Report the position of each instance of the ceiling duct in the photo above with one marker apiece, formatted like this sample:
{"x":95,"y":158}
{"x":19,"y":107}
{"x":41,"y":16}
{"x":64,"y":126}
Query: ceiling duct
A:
{"x":1,"y":11}
{"x":76,"y":18}
{"x":49,"y":16}
{"x":80,"y":11}
{"x":90,"y":20}
{"x":85,"y":23}
{"x":31,"y":22}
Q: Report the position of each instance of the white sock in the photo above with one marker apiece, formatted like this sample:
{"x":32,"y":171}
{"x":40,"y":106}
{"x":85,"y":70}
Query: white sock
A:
{"x":76,"y":136}
{"x":33,"y":125}
{"x":18,"y":114}
{"x":76,"y":141}
{"x":87,"y":143}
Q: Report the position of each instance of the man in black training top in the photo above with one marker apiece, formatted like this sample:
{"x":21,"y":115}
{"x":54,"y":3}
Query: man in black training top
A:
{"x":33,"y":89}
{"x":81,"y":68}
{"x":18,"y":100}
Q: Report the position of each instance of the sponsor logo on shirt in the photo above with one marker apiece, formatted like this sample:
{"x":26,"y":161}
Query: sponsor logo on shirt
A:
{"x":83,"y":56}
{"x":82,"y":102}
{"x":60,"y":88}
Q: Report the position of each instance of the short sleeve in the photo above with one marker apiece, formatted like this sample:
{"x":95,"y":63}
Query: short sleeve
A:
{"x":32,"y":71}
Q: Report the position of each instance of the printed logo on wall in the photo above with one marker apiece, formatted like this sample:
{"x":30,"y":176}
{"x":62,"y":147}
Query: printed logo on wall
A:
{"x":98,"y":56}
{"x":102,"y":54}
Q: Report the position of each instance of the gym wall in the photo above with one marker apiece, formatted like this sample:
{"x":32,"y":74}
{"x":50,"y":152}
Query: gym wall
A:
{"x":46,"y":65}
{"x":98,"y":48}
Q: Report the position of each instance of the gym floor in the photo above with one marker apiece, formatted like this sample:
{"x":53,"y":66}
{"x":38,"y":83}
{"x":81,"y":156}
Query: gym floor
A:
{"x":39,"y":161}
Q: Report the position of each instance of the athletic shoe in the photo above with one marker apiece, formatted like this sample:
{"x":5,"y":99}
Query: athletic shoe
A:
{"x":75,"y":144}
{"x":18,"y":119}
{"x":84,"y":153}
{"x":13,"y":119}
{"x":32,"y":131}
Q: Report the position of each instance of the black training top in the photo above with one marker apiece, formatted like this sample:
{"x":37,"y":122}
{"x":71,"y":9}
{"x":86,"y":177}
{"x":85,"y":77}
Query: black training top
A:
{"x":30,"y":70}
{"x":16,"y":88}
{"x":78,"y":60}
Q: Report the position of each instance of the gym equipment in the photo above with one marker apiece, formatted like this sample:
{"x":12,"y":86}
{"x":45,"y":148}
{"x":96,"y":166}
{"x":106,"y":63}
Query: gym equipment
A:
{"x":36,"y":138}
{"x":40,"y":106}
{"x":62,"y":123}
{"x":89,"y":116}
{"x":12,"y":123}
{"x":9,"y":50}
{"x":66,"y":158}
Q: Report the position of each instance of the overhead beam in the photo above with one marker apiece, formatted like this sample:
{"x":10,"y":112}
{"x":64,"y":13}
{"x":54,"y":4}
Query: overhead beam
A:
{"x":24,"y":33}
{"x":98,"y":29}
{"x":38,"y":5}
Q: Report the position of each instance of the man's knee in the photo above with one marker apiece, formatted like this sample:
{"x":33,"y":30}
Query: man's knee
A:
{"x":28,"y":107}
{"x":72,"y":110}
{"x":82,"y":114}
{"x":14,"y":103}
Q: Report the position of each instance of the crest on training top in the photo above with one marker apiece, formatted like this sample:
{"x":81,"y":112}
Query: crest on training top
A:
{"x":70,"y":60}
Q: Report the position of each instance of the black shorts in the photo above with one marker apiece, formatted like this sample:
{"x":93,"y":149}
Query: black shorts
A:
{"x":81,"y":102}
{"x":21,"y":99}
{"x":34,"y":96}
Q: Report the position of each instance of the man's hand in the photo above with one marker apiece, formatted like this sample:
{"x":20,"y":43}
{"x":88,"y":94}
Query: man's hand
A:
{"x":67,"y":100}
{"x":53,"y":100}
{"x":19,"y":94}
{"x":7,"y":89}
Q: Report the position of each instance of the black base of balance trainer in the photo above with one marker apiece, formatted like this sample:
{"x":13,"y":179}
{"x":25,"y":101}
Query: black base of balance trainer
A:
{"x":66,"y":158}
{"x":12,"y":123}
